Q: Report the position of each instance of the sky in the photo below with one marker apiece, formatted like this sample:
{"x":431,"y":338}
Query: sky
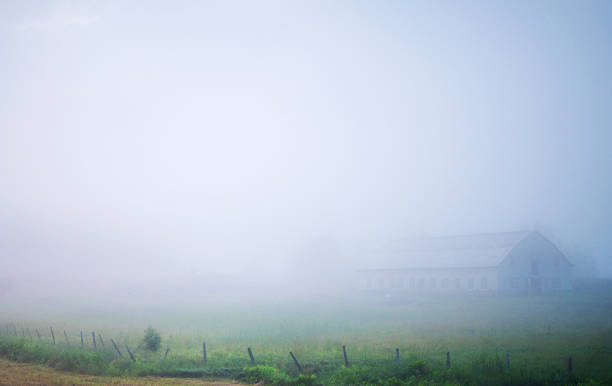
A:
{"x":265,"y":138}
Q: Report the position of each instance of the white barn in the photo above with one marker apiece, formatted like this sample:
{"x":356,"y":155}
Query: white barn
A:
{"x":500,"y":263}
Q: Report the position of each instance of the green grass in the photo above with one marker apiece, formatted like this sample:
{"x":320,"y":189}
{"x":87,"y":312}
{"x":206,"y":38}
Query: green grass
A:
{"x":539,"y":334}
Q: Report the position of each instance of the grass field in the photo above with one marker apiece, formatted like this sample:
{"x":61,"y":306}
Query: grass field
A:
{"x":538,"y":333}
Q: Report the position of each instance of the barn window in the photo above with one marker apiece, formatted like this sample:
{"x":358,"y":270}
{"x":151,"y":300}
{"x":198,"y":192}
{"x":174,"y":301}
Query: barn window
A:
{"x":483,"y":283}
{"x":369,"y":283}
{"x":470,"y":283}
{"x":556,"y":282}
{"x":411,"y":282}
{"x":401,"y":282}
{"x":432,"y":282}
{"x":457,"y":282}
{"x":392,"y":283}
{"x":445,"y":282}
{"x":381,"y":283}
{"x":421,"y":283}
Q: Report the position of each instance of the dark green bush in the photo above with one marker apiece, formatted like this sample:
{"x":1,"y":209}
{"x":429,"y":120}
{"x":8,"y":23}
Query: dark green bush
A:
{"x":273,"y":376}
{"x":305,"y":380}
{"x":152,"y":339}
{"x":268,"y":374}
{"x":355,"y":375}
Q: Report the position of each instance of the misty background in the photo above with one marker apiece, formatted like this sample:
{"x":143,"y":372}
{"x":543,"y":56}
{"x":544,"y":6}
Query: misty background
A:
{"x":249,"y":143}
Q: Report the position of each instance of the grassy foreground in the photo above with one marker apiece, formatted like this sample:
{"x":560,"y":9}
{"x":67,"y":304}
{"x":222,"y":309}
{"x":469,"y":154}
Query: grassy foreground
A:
{"x":14,"y":373}
{"x":539,"y":334}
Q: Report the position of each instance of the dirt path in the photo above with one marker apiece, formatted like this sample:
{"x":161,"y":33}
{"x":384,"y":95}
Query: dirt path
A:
{"x":14,"y":373}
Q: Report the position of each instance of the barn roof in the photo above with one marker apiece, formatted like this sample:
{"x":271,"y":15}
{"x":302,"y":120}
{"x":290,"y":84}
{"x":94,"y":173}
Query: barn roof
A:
{"x":466,"y":251}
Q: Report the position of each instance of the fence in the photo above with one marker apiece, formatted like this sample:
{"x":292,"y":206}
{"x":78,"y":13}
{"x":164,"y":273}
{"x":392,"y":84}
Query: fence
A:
{"x":97,"y":343}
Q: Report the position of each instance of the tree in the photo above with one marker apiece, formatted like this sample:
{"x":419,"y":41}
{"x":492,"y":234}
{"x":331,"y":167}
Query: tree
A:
{"x":152,"y":339}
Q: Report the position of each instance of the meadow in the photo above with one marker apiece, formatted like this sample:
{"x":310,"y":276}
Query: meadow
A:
{"x":537,"y":335}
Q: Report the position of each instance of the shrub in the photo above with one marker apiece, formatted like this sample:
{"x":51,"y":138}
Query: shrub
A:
{"x":355,"y":375}
{"x":305,"y":380}
{"x":268,"y":374}
{"x":152,"y":339}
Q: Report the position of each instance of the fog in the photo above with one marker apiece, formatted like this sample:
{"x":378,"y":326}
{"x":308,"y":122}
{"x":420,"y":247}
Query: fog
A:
{"x":251,"y":145}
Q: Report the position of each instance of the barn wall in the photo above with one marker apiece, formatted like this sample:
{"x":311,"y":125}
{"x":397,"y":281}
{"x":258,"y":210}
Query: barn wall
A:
{"x":451,"y":280}
{"x":535,"y":266}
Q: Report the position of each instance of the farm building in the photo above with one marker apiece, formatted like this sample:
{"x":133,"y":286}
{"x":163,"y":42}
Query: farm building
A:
{"x":500,"y":263}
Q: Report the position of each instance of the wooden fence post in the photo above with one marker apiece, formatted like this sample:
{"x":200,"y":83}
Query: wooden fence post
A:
{"x":251,"y":355}
{"x":507,"y":361}
{"x":204,"y":351}
{"x":129,"y":352}
{"x":52,"y":335}
{"x":166,"y":353}
{"x":570,"y":365}
{"x":30,"y":334}
{"x":448,"y":363}
{"x":93,"y":336}
{"x":346,"y":363}
{"x":101,"y":340}
{"x":397,"y":355}
{"x":116,"y":348}
{"x":296,"y":362}
{"x":81,"y":338}
{"x":39,"y":338}
{"x":15,"y":330}
{"x":66,"y":336}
